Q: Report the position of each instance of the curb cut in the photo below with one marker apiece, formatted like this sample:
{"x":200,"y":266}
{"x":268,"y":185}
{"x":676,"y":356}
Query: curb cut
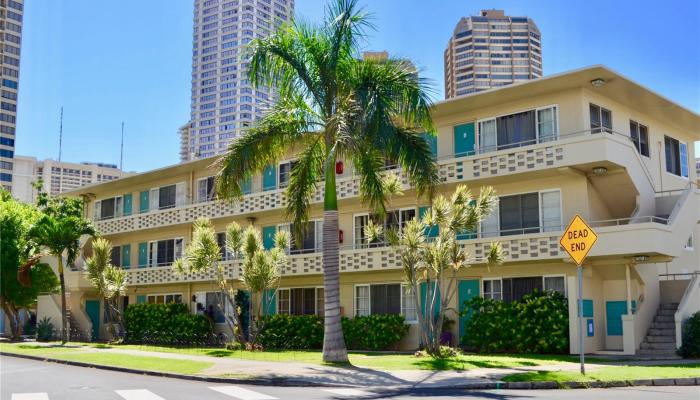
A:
{"x":496,"y":385}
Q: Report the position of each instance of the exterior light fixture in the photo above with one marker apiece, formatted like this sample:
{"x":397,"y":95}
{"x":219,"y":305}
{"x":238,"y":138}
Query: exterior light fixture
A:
{"x":598,"y":82}
{"x":641,"y":258}
{"x":600,"y":170}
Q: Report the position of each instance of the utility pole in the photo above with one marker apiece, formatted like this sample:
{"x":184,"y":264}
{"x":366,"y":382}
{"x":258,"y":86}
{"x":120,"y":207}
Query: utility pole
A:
{"x":121,"y":153}
{"x":60,"y":136}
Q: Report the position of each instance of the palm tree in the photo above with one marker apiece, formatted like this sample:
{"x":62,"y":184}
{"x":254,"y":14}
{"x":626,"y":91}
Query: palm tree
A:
{"x":109,"y":280}
{"x":60,"y":233}
{"x":332,"y":106}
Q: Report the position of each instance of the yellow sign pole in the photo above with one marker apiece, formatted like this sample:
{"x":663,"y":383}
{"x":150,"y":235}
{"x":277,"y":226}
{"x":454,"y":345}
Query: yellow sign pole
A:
{"x":577,"y":241}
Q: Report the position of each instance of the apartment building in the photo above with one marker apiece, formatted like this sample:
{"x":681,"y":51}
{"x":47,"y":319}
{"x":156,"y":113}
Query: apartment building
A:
{"x":491,"y":50}
{"x":223,"y":101}
{"x":11,"y":15}
{"x":588,"y":142}
{"x":58,"y":176}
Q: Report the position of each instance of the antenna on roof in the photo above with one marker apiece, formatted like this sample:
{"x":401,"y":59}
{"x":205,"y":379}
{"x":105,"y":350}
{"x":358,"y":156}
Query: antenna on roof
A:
{"x":60,"y":135}
{"x":121,"y":153}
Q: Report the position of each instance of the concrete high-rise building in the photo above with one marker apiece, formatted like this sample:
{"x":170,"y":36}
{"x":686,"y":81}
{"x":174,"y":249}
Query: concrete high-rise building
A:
{"x":223,"y":101}
{"x":491,"y":50}
{"x":11,"y":14}
{"x":184,"y":133}
{"x":58,"y":176}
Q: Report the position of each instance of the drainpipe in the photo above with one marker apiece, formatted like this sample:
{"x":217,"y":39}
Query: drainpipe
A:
{"x":628,"y":285}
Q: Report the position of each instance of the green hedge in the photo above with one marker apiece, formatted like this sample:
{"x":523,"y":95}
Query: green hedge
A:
{"x":165,"y":324}
{"x":305,"y":332}
{"x":691,"y":337}
{"x":538,"y":323}
{"x":374,"y":332}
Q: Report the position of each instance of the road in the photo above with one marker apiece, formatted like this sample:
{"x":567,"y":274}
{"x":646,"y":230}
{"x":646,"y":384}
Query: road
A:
{"x":22,"y":379}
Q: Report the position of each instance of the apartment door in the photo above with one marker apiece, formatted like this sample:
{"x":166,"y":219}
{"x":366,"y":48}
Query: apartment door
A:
{"x":466,"y":290}
{"x":464,"y":139}
{"x":614,"y":310}
{"x":92,"y":309}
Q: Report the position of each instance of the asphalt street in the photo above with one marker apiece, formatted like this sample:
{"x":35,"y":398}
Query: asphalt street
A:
{"x":22,"y":379}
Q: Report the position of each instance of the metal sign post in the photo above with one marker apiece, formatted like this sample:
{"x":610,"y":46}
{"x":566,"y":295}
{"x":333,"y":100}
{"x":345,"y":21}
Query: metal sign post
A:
{"x":577,"y":240}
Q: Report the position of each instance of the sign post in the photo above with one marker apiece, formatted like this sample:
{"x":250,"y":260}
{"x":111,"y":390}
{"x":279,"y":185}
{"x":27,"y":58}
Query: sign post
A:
{"x":577,"y":241}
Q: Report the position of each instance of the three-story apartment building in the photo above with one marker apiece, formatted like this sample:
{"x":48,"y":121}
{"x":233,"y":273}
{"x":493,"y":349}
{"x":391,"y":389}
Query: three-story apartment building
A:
{"x":588,"y":142}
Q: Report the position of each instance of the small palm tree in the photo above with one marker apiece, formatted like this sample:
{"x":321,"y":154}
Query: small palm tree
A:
{"x":433,"y":262}
{"x":332,"y":106}
{"x":59,"y":233}
{"x":108,"y":280}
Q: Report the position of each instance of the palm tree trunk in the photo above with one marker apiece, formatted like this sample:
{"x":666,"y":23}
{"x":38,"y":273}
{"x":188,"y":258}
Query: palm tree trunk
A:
{"x":333,"y":341}
{"x":64,"y":313}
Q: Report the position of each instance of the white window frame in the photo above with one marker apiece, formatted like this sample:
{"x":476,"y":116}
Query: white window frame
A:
{"x":118,"y":207}
{"x":289,"y":298}
{"x":182,"y":297}
{"x":152,"y":256}
{"x":566,"y":287}
{"x":496,"y":212}
{"x":690,"y":243}
{"x":542,"y":227}
{"x":483,"y":289}
{"x":680,"y":160}
{"x":537,"y":128}
{"x":279,"y":172}
{"x":318,"y":235}
{"x":180,"y":196}
{"x":402,"y":287}
{"x":199,"y":200}
{"x":360,"y":245}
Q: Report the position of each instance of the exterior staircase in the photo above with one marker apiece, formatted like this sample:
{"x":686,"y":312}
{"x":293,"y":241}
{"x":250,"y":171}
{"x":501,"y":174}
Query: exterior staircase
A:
{"x":660,"y":342}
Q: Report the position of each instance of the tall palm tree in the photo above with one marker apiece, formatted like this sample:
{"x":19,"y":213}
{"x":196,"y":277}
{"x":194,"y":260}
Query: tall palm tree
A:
{"x":60,"y":234}
{"x":332,"y":106}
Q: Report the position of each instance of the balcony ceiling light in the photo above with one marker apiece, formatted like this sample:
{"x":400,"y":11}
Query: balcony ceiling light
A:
{"x":600,"y":170}
{"x":598,"y":82}
{"x":641,"y":258}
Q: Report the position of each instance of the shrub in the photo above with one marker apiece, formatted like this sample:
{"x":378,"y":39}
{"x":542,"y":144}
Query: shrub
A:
{"x":300,"y":332}
{"x":691,"y":337}
{"x":171,"y":324}
{"x":373,"y":332}
{"x":44,"y":330}
{"x":538,"y":323}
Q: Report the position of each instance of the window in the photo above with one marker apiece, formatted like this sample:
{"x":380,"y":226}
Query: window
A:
{"x":395,"y":219}
{"x":690,"y":244}
{"x":601,"y":119}
{"x":164,"y":298}
{"x":212,"y":307}
{"x":116,"y":257}
{"x":676,"y":156}
{"x":520,"y":129}
{"x":285,"y":173}
{"x":555,"y":284}
{"x":640,"y":137}
{"x":300,"y":301}
{"x":221,"y":241}
{"x":164,"y":252}
{"x":311,"y":239}
{"x":392,"y":298}
{"x":524,"y":213}
{"x":492,"y":289}
{"x":167,"y":196}
{"x":109,"y":208}
{"x":206,"y":190}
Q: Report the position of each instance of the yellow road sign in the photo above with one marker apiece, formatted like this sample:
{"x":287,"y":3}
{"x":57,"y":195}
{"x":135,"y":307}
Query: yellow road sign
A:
{"x":578,"y":239}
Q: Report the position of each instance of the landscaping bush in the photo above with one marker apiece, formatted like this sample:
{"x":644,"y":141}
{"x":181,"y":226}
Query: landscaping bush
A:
{"x":45,"y":330}
{"x":373,"y":332}
{"x":538,"y":323}
{"x":170,"y":324}
{"x":691,"y":337}
{"x":305,"y":332}
{"x":299,"y":332}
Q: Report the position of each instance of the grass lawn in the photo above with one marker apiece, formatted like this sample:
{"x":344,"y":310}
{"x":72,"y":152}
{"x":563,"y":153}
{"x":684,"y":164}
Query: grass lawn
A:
{"x":612,"y":373}
{"x":386,"y":361}
{"x":72,"y":352}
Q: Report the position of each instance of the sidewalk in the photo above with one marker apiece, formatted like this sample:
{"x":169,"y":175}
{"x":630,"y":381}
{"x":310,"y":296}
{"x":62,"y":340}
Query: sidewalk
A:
{"x":344,"y":376}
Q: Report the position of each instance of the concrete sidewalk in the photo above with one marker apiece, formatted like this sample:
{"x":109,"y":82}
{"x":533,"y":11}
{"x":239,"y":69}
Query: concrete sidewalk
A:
{"x":343,"y":376}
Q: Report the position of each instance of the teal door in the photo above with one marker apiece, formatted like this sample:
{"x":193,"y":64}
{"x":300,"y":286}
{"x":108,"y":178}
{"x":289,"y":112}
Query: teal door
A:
{"x":614,"y":310}
{"x":268,"y":234}
{"x":432,"y":141}
{"x":425,"y":299}
{"x":465,"y":291}
{"x":246,"y":186}
{"x":464,"y":139}
{"x":92,"y":308}
{"x":128,"y":204}
{"x":270,"y":178}
{"x":431,"y":231}
{"x":143,"y":201}
{"x":143,"y":255}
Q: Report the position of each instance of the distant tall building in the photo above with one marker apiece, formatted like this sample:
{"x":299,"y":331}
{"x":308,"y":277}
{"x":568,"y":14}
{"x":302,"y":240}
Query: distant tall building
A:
{"x":223,"y":101}
{"x":491,"y":50}
{"x":58,"y":176}
{"x":184,"y":133}
{"x":11,"y":14}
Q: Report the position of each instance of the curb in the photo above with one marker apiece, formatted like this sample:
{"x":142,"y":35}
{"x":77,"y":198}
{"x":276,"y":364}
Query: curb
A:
{"x":496,"y":385}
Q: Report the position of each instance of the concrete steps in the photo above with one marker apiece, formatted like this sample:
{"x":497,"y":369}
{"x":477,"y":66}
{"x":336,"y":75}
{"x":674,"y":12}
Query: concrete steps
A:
{"x":660,"y":342}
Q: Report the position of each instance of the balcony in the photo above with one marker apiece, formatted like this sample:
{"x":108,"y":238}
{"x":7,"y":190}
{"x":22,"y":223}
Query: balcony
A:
{"x":569,"y":150}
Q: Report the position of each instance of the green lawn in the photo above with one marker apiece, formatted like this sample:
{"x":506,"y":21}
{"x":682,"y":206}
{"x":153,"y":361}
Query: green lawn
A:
{"x":613,"y":373}
{"x":79,"y":353}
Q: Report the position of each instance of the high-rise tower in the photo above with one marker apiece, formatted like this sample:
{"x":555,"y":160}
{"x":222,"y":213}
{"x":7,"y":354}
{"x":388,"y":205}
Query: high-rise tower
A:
{"x":11,"y":15}
{"x":491,"y":50}
{"x":223,"y":101}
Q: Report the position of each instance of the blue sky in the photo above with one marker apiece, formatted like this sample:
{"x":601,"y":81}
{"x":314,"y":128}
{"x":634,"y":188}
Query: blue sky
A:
{"x":129,"y":60}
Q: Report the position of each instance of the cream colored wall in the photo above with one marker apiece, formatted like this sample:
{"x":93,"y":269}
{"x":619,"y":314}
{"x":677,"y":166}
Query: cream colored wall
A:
{"x":687,"y":262}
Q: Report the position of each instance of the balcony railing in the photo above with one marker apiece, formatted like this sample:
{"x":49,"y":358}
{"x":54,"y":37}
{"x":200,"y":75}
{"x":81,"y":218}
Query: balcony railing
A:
{"x":516,"y":158}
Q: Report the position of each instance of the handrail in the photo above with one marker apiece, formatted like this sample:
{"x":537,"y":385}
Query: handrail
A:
{"x":679,"y":203}
{"x":690,"y":287}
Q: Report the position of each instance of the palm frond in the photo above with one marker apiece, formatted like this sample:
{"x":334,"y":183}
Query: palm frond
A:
{"x":303,"y":182}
